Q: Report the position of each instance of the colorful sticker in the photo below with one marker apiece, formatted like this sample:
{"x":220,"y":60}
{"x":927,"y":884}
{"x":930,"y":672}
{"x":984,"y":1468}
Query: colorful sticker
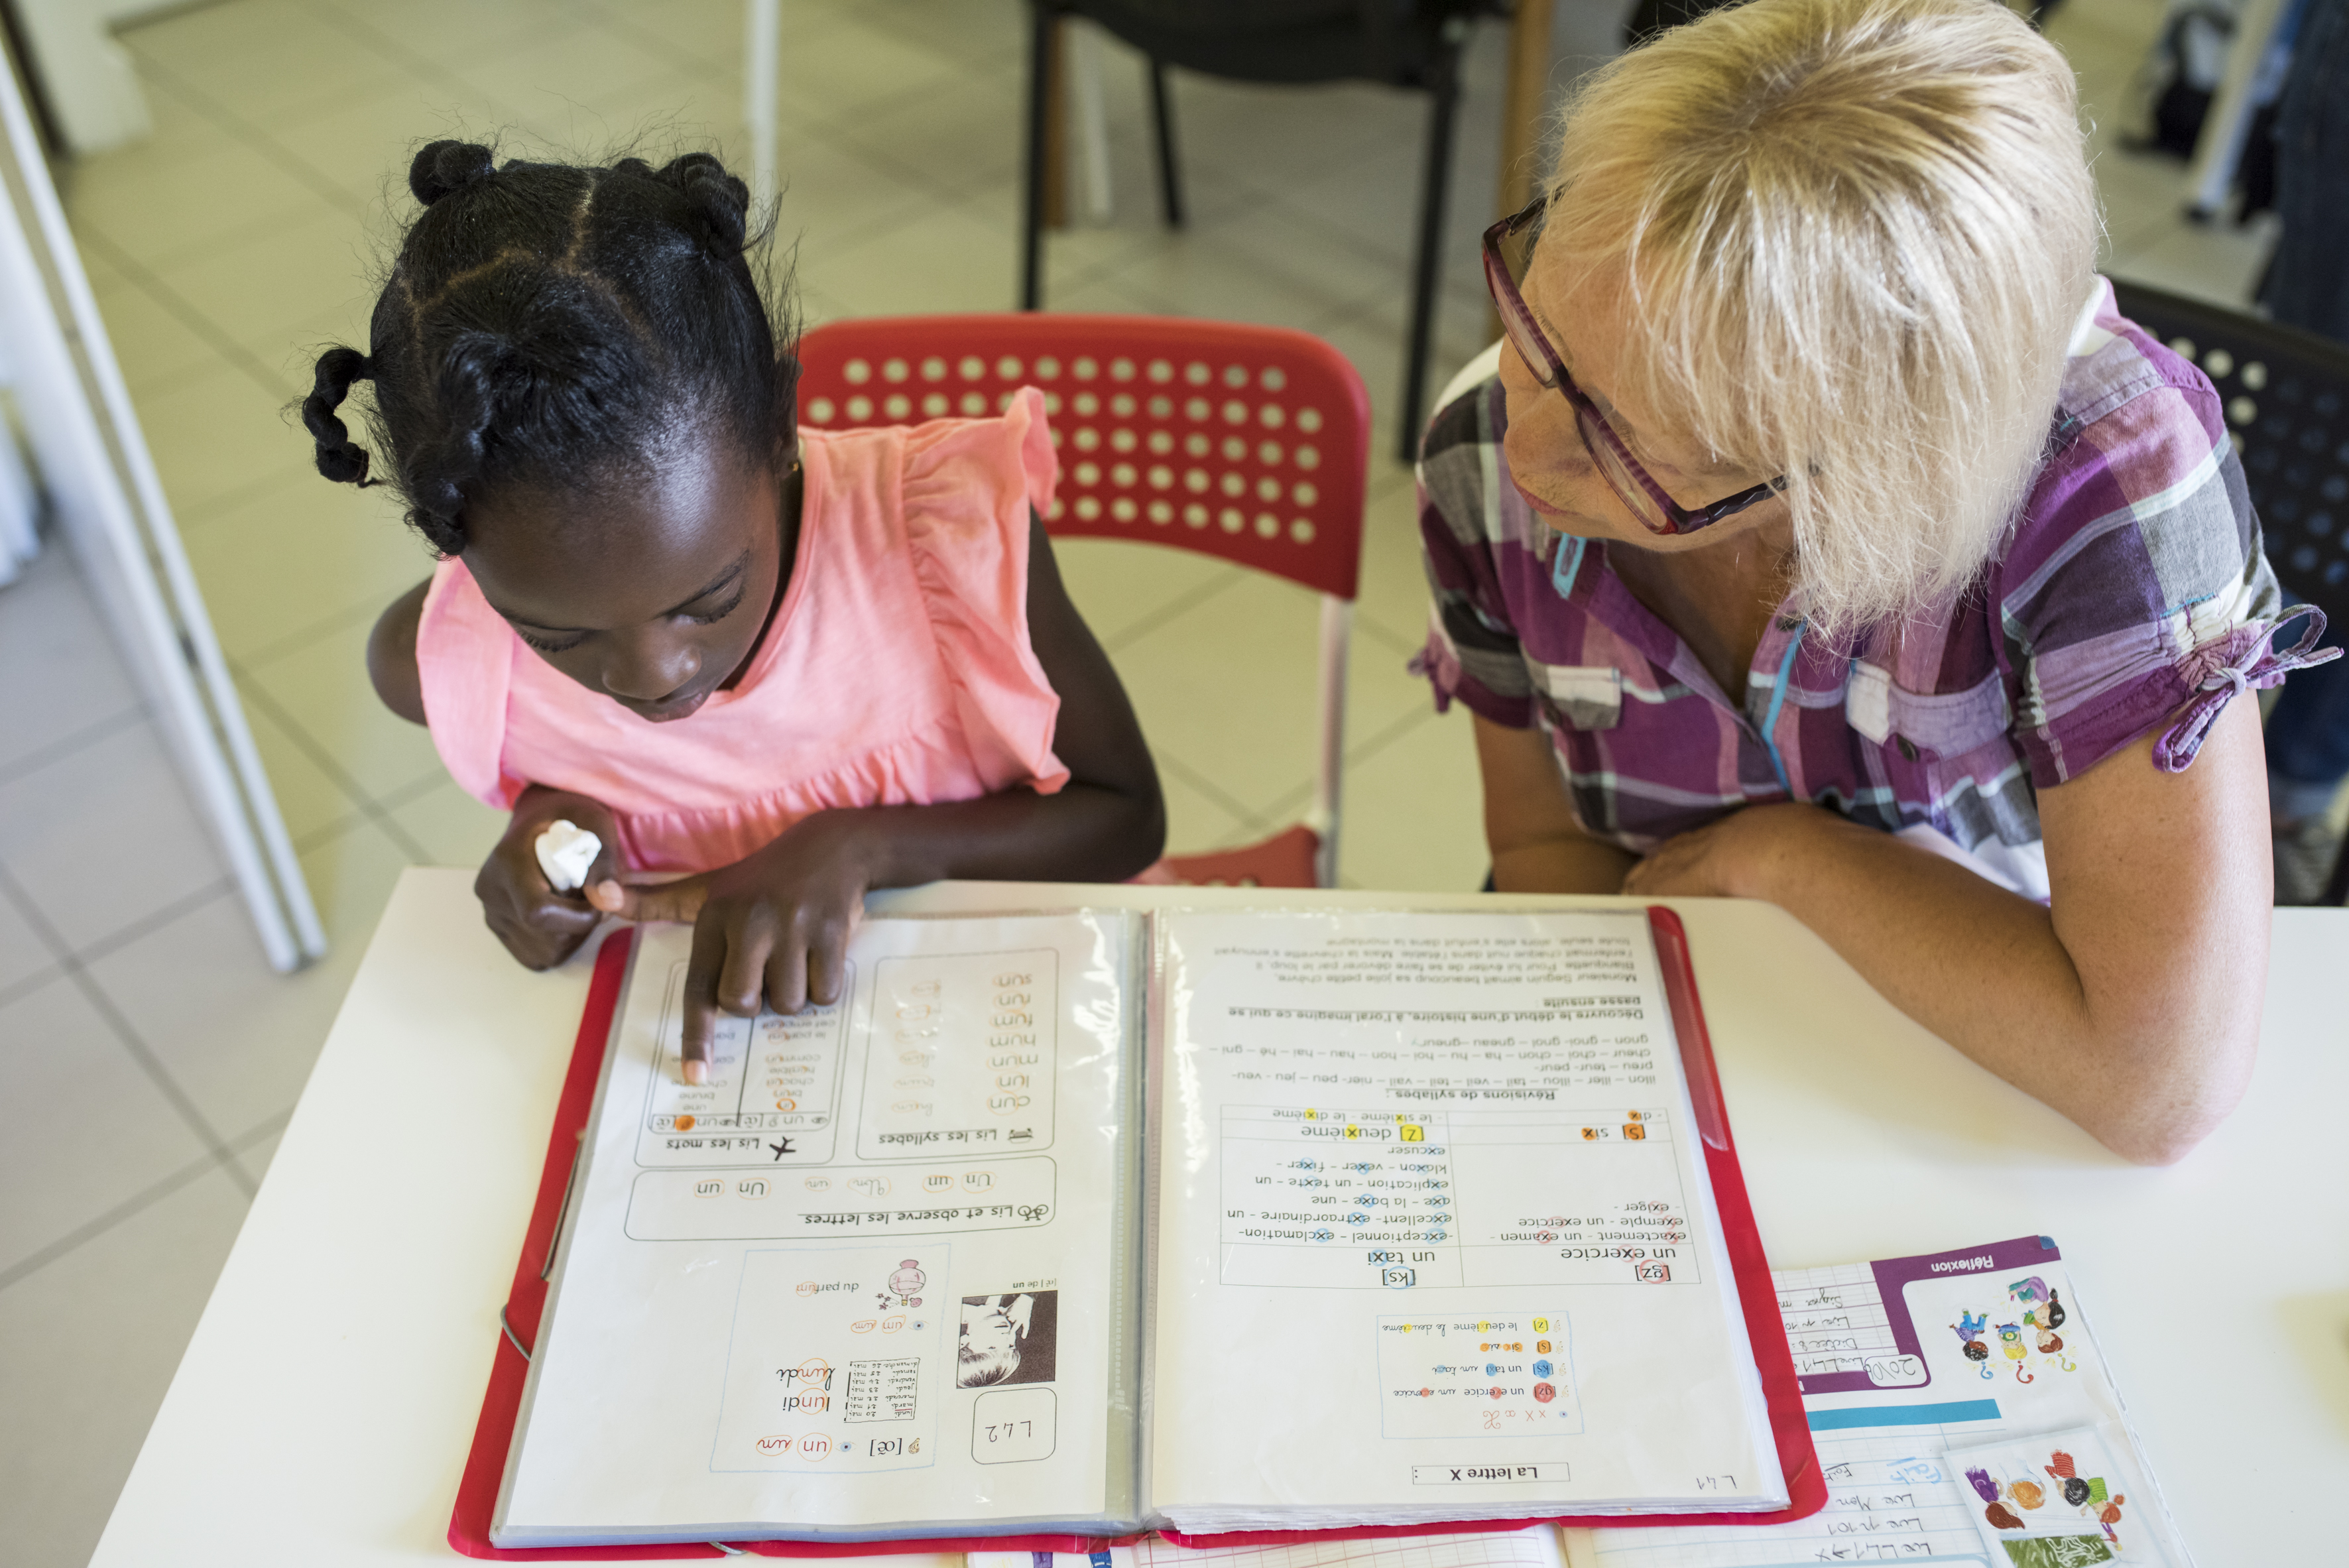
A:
{"x":2060,"y":1499}
{"x":2028,"y":1341}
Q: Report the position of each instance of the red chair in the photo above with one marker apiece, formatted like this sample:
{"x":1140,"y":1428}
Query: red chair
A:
{"x":1250,"y":443}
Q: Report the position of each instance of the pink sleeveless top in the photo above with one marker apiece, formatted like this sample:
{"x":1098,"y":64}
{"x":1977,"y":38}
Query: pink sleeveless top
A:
{"x":897,"y":672}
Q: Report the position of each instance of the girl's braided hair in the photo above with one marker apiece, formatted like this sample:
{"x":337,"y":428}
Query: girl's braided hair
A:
{"x":553,"y":325}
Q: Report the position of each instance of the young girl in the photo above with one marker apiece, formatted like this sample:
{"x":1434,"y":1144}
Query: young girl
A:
{"x":792,"y":667}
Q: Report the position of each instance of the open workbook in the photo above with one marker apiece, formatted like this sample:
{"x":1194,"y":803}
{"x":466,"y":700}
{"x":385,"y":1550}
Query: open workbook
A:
{"x":1088,"y":1223}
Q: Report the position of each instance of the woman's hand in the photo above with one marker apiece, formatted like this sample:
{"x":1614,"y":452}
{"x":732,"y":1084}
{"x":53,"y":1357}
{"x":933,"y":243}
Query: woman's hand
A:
{"x":1733,"y":857}
{"x":540,"y":926}
{"x":772,"y":928}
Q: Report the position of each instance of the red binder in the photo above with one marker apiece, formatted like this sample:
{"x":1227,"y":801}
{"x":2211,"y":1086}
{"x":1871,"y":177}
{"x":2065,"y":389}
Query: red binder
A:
{"x":476,"y":1493}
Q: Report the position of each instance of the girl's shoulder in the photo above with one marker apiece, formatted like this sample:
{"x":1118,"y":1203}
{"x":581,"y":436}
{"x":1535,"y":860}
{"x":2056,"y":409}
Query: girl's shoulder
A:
{"x":943,"y":485}
{"x":930,"y":523}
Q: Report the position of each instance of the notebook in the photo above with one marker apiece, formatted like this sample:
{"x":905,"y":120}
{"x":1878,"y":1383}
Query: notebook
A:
{"x":1963,"y":1413}
{"x":1073,"y":1225}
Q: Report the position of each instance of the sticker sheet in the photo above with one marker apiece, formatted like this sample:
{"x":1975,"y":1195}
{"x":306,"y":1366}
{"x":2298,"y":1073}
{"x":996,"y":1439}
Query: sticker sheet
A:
{"x":1963,"y":1414}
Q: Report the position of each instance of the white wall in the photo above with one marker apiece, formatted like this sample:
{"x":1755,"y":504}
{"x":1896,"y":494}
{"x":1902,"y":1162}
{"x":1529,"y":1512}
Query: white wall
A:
{"x":86,"y":76}
{"x":102,"y":487}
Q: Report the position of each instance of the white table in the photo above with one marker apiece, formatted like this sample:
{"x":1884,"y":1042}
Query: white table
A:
{"x":323,"y":1408}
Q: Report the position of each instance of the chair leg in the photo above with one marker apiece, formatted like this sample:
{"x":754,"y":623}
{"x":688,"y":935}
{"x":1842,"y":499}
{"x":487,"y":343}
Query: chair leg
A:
{"x":1329,"y":778}
{"x":1170,"y":175}
{"x":1436,"y":182}
{"x":1031,"y":201}
{"x":1081,"y":61}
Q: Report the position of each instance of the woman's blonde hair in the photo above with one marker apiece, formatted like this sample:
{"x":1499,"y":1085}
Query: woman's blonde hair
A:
{"x":1853,"y":237}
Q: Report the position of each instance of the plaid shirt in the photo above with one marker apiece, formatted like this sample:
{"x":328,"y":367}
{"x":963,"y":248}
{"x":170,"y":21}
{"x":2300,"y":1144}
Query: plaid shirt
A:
{"x":2132,"y":595}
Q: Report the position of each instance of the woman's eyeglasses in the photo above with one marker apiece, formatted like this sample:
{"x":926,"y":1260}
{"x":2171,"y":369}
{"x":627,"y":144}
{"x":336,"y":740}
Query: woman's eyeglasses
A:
{"x":1646,"y":501}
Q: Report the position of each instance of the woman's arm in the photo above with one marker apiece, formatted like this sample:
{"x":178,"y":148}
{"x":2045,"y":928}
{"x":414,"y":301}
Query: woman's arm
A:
{"x":775,"y":925}
{"x":1536,"y":844}
{"x":2132,"y":1005}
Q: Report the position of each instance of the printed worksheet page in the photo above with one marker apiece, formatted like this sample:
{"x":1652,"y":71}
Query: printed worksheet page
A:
{"x":875,"y":1277}
{"x":1433,"y":1236}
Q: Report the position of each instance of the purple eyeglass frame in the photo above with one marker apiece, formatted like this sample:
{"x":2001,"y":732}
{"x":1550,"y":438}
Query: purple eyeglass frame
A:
{"x":1648,"y":502}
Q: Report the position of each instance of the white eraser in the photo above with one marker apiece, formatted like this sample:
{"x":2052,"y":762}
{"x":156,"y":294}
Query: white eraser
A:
{"x":565,"y":851}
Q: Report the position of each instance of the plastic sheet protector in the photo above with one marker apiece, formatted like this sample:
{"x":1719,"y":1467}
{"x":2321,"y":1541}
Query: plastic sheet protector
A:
{"x":1071,"y":1226}
{"x":1431,"y":1235}
{"x":875,"y":1277}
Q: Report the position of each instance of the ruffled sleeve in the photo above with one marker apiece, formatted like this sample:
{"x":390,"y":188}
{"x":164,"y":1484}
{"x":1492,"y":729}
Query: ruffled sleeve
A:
{"x":969,"y":487}
{"x":2244,"y":661}
{"x":464,"y":660}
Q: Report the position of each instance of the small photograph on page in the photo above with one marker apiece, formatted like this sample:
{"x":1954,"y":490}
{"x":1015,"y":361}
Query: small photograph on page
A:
{"x":1007,"y":1339}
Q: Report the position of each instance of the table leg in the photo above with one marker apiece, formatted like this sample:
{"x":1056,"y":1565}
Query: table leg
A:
{"x":2219,"y":147}
{"x":1056,"y":126}
{"x":1524,"y":100}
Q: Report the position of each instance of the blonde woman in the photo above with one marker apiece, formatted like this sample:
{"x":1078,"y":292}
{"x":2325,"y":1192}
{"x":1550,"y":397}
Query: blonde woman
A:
{"x":1826,"y":537}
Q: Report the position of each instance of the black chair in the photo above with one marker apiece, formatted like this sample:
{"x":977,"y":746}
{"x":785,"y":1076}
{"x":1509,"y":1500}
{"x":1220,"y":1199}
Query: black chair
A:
{"x":2287,"y":401}
{"x":1401,"y":43}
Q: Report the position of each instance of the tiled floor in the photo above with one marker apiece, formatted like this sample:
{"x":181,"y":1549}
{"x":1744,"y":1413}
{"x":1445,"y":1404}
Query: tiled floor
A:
{"x":238,"y":240}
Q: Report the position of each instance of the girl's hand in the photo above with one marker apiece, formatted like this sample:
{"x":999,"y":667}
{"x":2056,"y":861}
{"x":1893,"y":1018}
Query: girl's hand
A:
{"x":773,"y":927}
{"x":775,"y":924}
{"x":1735,"y":857}
{"x":540,"y":926}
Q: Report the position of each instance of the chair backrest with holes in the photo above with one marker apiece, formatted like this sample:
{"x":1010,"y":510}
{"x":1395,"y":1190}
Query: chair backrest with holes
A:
{"x":2286,"y":395}
{"x":1250,"y":444}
